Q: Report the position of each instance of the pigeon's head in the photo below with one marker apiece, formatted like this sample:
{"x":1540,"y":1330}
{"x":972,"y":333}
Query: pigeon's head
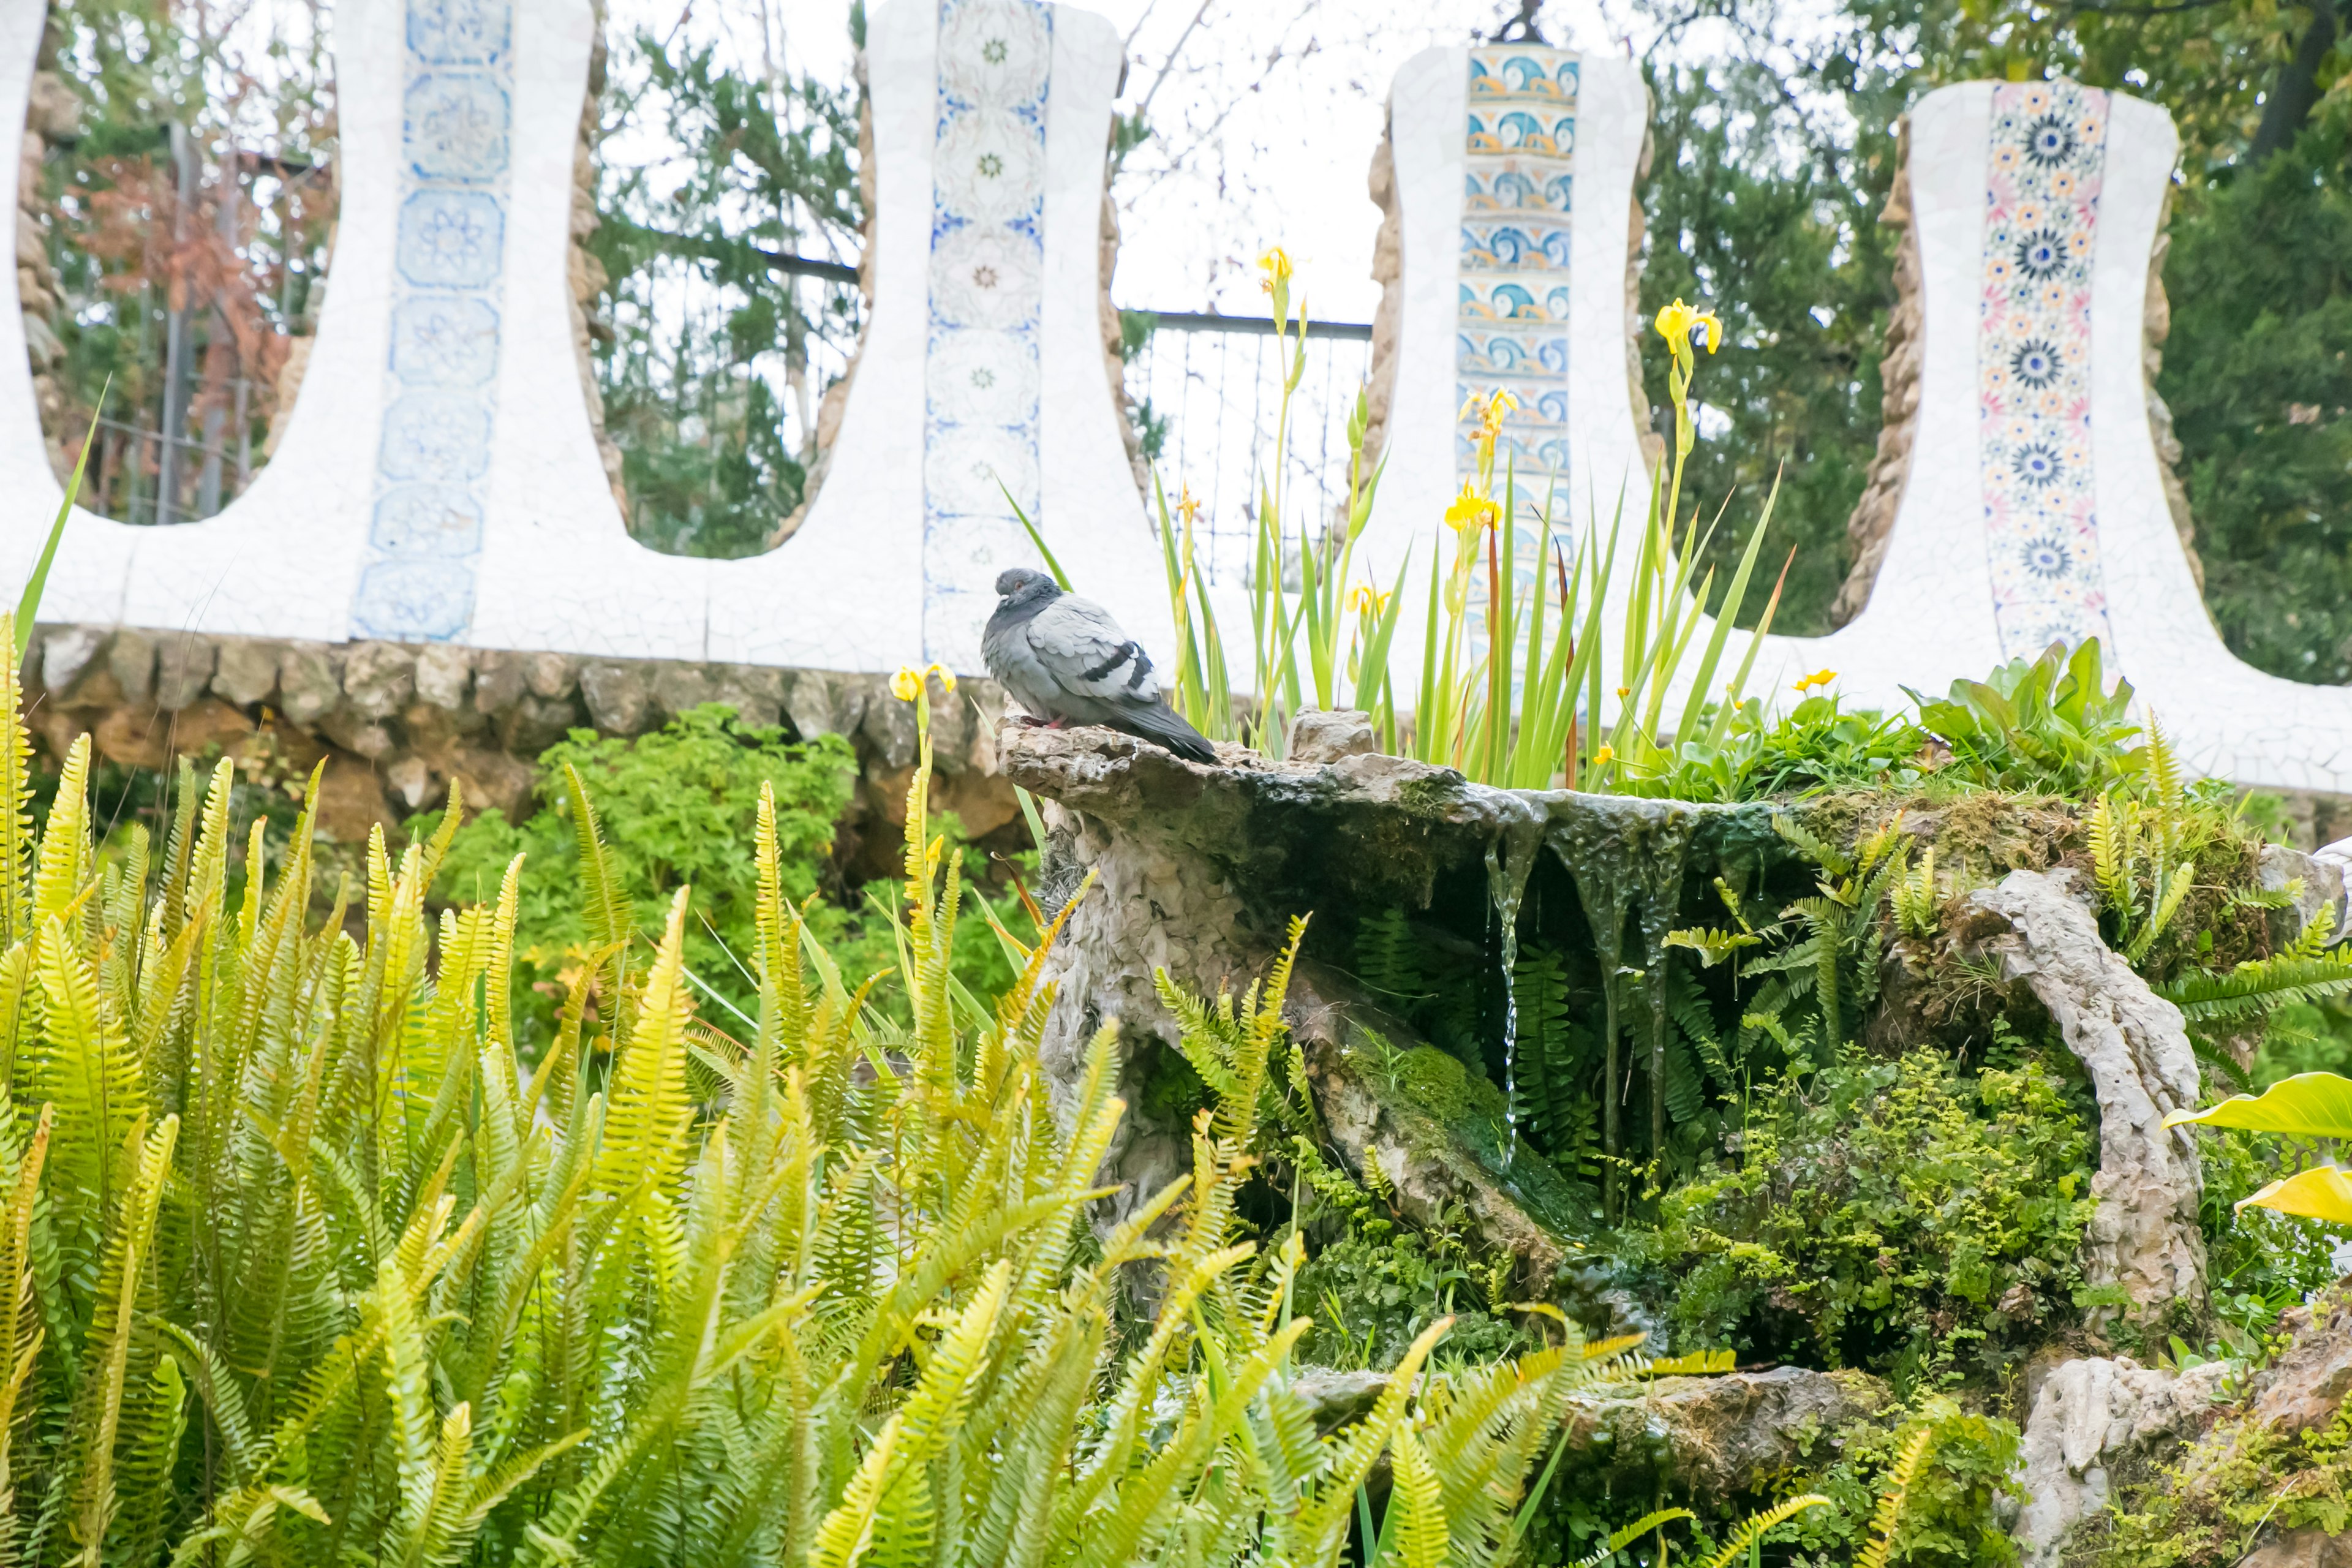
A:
{"x":1021,"y":588}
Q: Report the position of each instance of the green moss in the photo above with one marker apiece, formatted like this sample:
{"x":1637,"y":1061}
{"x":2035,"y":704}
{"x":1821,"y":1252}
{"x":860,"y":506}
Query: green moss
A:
{"x":1450,"y":1092}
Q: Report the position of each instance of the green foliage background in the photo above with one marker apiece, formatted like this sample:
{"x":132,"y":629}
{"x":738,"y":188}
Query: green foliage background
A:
{"x":676,"y":806}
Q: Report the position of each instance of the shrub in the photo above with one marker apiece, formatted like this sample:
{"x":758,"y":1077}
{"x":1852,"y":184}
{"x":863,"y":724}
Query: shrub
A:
{"x":1903,"y":1216}
{"x":676,"y":805}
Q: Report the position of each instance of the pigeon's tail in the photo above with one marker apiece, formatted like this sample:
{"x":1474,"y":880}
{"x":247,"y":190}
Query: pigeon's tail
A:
{"x":1164,"y":726}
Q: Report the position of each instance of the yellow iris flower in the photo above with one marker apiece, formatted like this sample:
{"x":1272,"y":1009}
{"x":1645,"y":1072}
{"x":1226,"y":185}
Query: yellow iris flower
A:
{"x":1471,"y":512}
{"x":1275,"y":265}
{"x":907,"y":684}
{"x":1677,"y":322}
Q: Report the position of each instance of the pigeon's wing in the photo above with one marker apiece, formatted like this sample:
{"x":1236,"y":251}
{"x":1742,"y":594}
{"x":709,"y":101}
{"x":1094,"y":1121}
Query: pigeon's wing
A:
{"x":1091,"y":660}
{"x":1018,"y":669}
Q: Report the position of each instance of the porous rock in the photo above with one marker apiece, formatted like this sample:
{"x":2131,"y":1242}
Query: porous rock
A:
{"x":2090,"y":1413}
{"x":246,"y":672}
{"x":183,"y":668}
{"x":1716,"y":1437}
{"x":378,"y":679}
{"x":1200,"y":868}
{"x":444,"y":670}
{"x":2310,"y":1547}
{"x":66,"y":654}
{"x":308,"y":684}
{"x":2302,"y":1389}
{"x":616,"y":697}
{"x":2143,"y":1235}
{"x":1326,"y":735}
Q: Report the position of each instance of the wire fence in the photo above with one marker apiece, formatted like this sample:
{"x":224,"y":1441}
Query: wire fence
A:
{"x":1207,"y":393}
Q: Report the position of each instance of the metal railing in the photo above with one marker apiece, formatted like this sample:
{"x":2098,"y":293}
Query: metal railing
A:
{"x":1207,"y":390}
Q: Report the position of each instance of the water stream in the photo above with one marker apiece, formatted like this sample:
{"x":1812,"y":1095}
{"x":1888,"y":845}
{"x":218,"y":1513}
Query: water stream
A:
{"x":1509,"y":862}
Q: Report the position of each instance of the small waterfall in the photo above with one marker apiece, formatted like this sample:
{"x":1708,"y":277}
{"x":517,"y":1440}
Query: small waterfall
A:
{"x":1510,"y":859}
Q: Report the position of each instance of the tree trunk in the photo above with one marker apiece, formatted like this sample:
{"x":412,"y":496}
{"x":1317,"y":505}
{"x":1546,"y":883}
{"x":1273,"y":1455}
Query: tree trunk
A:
{"x":2296,"y":89}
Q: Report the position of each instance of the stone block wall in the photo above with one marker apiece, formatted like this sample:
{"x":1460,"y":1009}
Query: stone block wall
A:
{"x":396,"y":723}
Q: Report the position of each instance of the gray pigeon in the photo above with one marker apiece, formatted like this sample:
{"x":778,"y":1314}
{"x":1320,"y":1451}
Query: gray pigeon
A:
{"x":1065,"y":660}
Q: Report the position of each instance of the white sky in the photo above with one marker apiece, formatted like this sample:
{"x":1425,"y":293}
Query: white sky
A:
{"x":1300,"y":84}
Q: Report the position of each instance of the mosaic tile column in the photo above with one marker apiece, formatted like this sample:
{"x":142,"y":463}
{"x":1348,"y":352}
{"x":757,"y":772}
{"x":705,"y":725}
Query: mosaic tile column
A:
{"x":981,"y":378}
{"x":425,"y":538}
{"x":1513,"y":325}
{"x":2034,"y":364}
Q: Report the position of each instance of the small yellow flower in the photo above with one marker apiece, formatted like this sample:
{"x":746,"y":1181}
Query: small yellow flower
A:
{"x":947,"y":675}
{"x":1491,"y":409}
{"x":1471,"y":512}
{"x":1188,"y":505}
{"x":1605,"y":755}
{"x":1368,"y":600}
{"x":1677,"y":322}
{"x":1623,"y":692}
{"x":907,"y":684}
{"x":1275,"y":265}
{"x":1819,"y":677}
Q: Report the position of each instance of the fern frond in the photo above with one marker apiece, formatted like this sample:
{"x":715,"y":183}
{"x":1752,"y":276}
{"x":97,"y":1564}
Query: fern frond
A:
{"x":1819,"y":851}
{"x":2259,"y":985}
{"x":1897,"y":1486}
{"x":1756,"y":1526}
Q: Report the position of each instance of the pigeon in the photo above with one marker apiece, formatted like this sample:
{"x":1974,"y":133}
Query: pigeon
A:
{"x":1066,"y":661}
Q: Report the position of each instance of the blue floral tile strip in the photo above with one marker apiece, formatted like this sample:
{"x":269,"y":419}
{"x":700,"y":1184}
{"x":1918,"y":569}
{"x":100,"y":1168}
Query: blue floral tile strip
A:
{"x":1512,"y":321}
{"x":2034,"y":364}
{"x":980,"y":385}
{"x":425,"y":541}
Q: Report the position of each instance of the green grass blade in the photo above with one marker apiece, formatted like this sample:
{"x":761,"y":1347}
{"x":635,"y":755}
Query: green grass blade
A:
{"x":30,"y":605}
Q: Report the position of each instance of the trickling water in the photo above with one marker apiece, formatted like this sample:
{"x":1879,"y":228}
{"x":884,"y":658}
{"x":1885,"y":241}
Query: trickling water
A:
{"x":1509,"y":862}
{"x":1661,"y":891}
{"x":1634,"y":849}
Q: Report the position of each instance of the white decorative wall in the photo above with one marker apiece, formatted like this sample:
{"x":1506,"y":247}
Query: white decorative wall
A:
{"x":1513,"y":168}
{"x":439,"y":478}
{"x":2034,"y":507}
{"x":2035,"y":503}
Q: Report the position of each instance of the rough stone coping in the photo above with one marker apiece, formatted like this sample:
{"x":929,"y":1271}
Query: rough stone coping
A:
{"x":400,"y":721}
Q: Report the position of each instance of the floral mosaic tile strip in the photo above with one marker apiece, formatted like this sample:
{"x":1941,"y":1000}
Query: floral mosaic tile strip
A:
{"x":425,"y":541}
{"x":2033,"y":363}
{"x":1512,"y":319}
{"x":980,"y":385}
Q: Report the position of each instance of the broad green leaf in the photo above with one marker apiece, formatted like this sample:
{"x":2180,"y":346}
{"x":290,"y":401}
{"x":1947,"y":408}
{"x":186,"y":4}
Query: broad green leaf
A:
{"x":2321,"y":1193}
{"x":2308,"y":1105}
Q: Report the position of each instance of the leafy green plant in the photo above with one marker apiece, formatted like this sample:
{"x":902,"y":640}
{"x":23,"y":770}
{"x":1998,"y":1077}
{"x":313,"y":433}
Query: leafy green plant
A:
{"x":675,"y":804}
{"x":2046,"y":724}
{"x":300,"y":1261}
{"x":1891,"y":1214}
{"x":1514,"y":676}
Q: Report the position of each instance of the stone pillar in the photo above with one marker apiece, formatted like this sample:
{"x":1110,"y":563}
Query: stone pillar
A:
{"x":53,"y":117}
{"x":1874,"y":515}
{"x":587,"y":274}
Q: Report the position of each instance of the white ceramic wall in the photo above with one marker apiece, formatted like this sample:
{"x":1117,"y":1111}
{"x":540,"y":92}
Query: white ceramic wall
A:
{"x":1931,"y":615}
{"x":556,"y":570}
{"x":1428,"y":111}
